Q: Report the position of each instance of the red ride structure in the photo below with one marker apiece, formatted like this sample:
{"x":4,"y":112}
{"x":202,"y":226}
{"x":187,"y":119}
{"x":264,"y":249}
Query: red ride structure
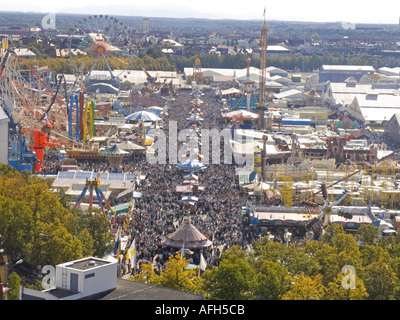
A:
{"x":40,"y":141}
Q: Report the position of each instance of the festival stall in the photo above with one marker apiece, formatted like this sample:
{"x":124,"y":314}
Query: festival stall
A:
{"x":187,"y":236}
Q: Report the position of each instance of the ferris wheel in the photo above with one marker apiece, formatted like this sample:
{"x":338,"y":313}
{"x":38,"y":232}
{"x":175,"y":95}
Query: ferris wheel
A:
{"x":100,"y":42}
{"x":30,"y":99}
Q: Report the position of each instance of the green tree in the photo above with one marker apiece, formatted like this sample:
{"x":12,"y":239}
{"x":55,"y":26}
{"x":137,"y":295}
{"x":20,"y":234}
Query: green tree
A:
{"x":342,"y":250}
{"x":16,"y":225}
{"x":87,"y":243}
{"x":271,"y":281}
{"x":378,"y":273}
{"x":9,"y":171}
{"x":380,"y":281}
{"x":305,"y":288}
{"x":154,"y":52}
{"x":268,"y":250}
{"x":97,"y":225}
{"x":371,"y":254}
{"x":52,"y":245}
{"x":231,"y":280}
{"x":146,"y":275}
{"x":392,"y":245}
{"x":293,"y":257}
{"x":63,"y":246}
{"x":368,"y":235}
{"x":175,"y":276}
{"x":35,"y":223}
{"x":336,"y":291}
{"x":315,"y":36}
{"x":13,"y":283}
{"x":297,"y":261}
{"x":10,"y":187}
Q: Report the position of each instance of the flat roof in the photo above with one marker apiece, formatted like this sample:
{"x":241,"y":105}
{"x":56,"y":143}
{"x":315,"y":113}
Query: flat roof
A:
{"x":346,"y":68}
{"x":133,"y":290}
{"x":87,"y":263}
{"x":277,"y":48}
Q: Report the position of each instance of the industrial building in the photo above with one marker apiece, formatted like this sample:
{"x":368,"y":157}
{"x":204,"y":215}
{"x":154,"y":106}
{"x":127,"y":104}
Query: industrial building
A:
{"x":374,"y":108}
{"x":339,"y":73}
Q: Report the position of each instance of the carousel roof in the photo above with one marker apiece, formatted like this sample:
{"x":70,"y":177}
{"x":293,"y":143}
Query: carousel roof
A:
{"x":114,"y":150}
{"x":130,"y":146}
{"x":188,"y":235}
{"x":313,"y":93}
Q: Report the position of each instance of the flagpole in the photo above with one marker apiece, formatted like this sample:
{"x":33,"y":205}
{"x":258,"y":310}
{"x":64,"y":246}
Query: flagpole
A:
{"x":134,"y":260}
{"x":118,"y":253}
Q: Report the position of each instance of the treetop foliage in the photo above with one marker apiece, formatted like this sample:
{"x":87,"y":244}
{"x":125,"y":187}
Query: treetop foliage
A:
{"x":36,"y":225}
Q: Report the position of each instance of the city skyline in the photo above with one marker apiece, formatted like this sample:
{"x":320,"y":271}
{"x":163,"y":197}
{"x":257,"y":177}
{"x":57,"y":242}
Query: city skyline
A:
{"x":307,"y":10}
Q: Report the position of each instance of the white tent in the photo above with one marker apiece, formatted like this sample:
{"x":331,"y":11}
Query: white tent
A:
{"x":230,"y":91}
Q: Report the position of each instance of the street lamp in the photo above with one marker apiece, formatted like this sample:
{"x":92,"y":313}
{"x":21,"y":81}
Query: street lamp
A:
{"x":287,"y":236}
{"x":18,"y":262}
{"x":310,"y":235}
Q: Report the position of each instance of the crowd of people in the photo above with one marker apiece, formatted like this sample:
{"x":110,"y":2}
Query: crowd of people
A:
{"x":216,"y":214}
{"x":160,"y":210}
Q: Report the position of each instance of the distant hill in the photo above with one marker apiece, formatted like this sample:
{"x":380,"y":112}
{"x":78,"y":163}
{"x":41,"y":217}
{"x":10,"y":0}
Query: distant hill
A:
{"x":68,"y":20}
{"x":282,"y":29}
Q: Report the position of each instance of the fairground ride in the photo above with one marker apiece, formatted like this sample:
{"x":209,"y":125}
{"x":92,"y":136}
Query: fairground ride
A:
{"x":93,"y":186}
{"x":105,"y":39}
{"x":31,"y":101}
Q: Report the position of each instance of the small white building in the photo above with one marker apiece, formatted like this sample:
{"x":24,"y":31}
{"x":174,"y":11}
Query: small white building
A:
{"x":78,"y":279}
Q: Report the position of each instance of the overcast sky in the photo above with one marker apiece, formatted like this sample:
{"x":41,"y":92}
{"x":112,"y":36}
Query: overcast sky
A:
{"x":383,"y":11}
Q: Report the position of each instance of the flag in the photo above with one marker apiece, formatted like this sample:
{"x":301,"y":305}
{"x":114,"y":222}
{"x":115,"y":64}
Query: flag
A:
{"x":131,"y":253}
{"x":203,"y":264}
{"x":117,"y":245}
{"x":98,"y":179}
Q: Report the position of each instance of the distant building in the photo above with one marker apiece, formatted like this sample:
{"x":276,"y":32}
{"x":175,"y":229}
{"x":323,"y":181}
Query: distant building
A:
{"x":389,"y":71}
{"x":272,"y":51}
{"x":344,"y":92}
{"x":290,"y":94}
{"x":145,"y":26}
{"x":25,"y":53}
{"x":338,"y":149}
{"x":339,"y":73}
{"x":374,"y":108}
{"x":277,"y":52}
{"x":393,"y":128}
{"x":274,"y":71}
